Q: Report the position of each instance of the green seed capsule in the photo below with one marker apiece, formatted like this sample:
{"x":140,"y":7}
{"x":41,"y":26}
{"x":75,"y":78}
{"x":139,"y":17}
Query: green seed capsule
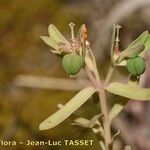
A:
{"x":136,"y":66}
{"x":72,"y":63}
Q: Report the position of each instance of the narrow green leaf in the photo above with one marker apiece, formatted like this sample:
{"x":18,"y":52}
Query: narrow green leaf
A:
{"x":131,"y":52}
{"x":49,"y":41}
{"x":128,"y":91}
{"x":56,"y":35}
{"x":71,"y":106}
{"x":117,"y":108}
{"x":147,"y":46}
{"x":140,"y":40}
{"x":83,"y":122}
{"x":120,"y":102}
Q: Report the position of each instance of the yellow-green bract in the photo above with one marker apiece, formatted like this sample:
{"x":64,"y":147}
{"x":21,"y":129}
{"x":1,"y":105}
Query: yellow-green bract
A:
{"x":136,"y":66}
{"x":72,"y":63}
{"x":131,"y":52}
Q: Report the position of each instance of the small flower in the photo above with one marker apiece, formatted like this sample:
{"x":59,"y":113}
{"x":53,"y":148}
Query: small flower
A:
{"x":60,"y":44}
{"x":73,"y":50}
{"x":56,"y":40}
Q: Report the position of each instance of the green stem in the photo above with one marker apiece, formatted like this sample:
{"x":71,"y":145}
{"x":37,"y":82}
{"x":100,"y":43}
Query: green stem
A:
{"x":101,"y":88}
{"x":109,"y":74}
{"x":96,"y":73}
{"x":103,"y":103}
{"x":112,"y":43}
{"x":104,"y":107}
{"x":106,"y":122}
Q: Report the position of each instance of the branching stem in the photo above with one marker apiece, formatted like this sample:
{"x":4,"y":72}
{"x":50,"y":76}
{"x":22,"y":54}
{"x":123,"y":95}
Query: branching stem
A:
{"x":101,"y":86}
{"x":103,"y":102}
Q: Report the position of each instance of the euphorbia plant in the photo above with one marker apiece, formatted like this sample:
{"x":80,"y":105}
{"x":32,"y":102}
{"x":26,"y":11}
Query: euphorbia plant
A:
{"x":76,"y":54}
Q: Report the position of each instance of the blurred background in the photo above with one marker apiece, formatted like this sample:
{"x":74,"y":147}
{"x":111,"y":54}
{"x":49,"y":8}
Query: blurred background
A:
{"x":29,"y":72}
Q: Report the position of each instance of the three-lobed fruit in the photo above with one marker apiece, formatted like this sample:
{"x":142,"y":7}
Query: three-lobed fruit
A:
{"x":72,"y":63}
{"x":136,"y":66}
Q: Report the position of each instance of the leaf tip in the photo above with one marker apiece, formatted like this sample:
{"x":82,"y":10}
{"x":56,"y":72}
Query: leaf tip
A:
{"x":44,"y":126}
